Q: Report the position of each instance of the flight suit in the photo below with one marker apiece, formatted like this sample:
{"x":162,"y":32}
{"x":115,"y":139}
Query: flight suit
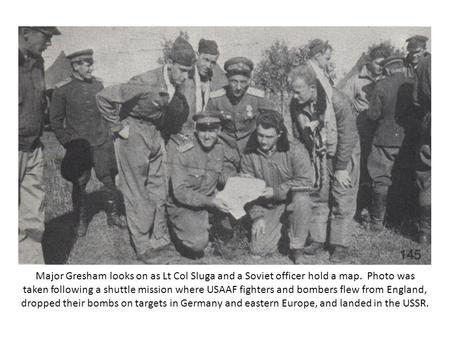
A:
{"x":143,"y":101}
{"x":329,"y":193}
{"x":290,"y":174}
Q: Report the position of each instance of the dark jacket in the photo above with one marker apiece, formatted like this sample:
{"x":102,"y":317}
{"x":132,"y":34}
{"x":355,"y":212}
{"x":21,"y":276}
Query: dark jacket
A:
{"x":74,"y":113}
{"x":392,"y":107}
{"x":32,"y":103}
{"x":423,"y":84}
{"x":345,"y":123}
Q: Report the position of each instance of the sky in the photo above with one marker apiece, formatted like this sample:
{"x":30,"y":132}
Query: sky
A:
{"x":122,"y":52}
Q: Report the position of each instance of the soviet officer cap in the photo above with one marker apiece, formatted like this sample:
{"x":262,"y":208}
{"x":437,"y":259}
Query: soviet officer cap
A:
{"x":47,"y":30}
{"x":207,"y":120}
{"x":208,"y":47}
{"x":317,"y":46}
{"x":182,"y":52}
{"x":82,"y":55}
{"x":415,"y":42}
{"x":238,"y":65}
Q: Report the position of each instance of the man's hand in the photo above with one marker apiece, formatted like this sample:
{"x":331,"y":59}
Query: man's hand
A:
{"x":343,"y":178}
{"x":258,"y":228}
{"x":268,"y":193}
{"x":221,"y":205}
{"x":124,"y":132}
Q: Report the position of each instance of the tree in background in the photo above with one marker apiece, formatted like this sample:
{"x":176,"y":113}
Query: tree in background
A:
{"x":167,"y":44}
{"x":389,"y":46}
{"x":271,"y":73}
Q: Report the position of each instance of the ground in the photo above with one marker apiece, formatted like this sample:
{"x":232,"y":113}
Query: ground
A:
{"x":106,"y":245}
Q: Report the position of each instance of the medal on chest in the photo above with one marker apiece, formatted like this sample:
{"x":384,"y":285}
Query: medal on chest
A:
{"x":249,"y":114}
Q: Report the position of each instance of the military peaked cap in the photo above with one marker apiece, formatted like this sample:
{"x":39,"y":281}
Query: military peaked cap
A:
{"x":85,"y":54}
{"x":238,"y":65}
{"x":47,"y":30}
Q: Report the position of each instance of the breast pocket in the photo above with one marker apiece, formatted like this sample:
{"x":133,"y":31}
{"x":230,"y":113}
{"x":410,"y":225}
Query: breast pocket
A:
{"x":196,"y":177}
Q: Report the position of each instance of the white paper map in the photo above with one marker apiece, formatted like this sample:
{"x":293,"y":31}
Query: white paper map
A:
{"x":239,"y":191}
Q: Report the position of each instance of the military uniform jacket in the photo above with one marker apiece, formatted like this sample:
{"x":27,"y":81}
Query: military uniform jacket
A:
{"x":392,"y":107}
{"x":422,"y":90}
{"x":74,"y":113}
{"x":32,"y":101}
{"x":239,"y":115}
{"x":281,"y":170}
{"x":195,"y":173}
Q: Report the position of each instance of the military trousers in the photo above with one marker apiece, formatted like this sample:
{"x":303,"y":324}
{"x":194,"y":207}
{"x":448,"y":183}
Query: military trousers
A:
{"x":298,"y":213}
{"x":391,"y":173}
{"x":142,"y":180}
{"x":334,"y":204}
{"x":31,"y":206}
{"x":191,"y":226}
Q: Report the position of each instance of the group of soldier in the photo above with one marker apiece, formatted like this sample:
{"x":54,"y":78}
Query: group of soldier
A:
{"x":175,"y":134}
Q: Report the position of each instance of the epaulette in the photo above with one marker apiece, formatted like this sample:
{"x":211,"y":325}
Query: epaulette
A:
{"x":63,"y":82}
{"x":185,"y":146}
{"x":217,"y":93}
{"x":255,"y":92}
{"x":183,"y":142}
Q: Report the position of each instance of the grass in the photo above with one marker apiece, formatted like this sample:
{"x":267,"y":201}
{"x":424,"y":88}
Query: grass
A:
{"x":105,"y":245}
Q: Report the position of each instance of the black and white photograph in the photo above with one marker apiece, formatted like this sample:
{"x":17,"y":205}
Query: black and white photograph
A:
{"x":224,"y":145}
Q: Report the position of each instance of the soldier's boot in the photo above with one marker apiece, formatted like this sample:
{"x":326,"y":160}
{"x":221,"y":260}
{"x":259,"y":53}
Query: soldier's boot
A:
{"x":313,"y":248}
{"x":298,"y":257}
{"x":425,"y":225}
{"x":112,"y":211}
{"x":339,"y":254}
{"x":378,"y":210}
{"x":79,"y":209}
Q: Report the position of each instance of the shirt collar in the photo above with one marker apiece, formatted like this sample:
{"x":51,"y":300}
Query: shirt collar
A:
{"x":170,"y":86}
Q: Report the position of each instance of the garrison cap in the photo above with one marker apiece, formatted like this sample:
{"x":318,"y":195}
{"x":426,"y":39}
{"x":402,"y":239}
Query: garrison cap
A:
{"x":182,"y":52}
{"x":416,"y":41}
{"x":208,"y":118}
{"x":317,"y":46}
{"x":47,"y":30}
{"x":208,"y":47}
{"x":82,"y":55}
{"x":238,"y":65}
